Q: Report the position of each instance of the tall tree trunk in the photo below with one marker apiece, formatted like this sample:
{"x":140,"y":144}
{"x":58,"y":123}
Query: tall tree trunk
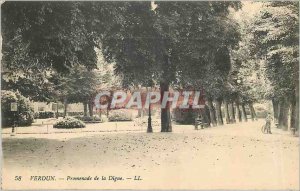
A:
{"x":231,"y":112}
{"x":238,"y":110}
{"x":244,"y":112}
{"x":275,"y":104}
{"x":297,"y":109}
{"x":91,"y":107}
{"x":279,"y":108}
{"x":219,"y":112}
{"x":149,"y":129}
{"x":211,"y":112}
{"x":166,"y":125}
{"x":297,"y":99}
{"x":57,"y":114}
{"x":207,"y":115}
{"x":85,"y":109}
{"x":65,"y":107}
{"x":293,"y":114}
{"x":226,"y":111}
{"x":252,"y":111}
{"x":283,"y":114}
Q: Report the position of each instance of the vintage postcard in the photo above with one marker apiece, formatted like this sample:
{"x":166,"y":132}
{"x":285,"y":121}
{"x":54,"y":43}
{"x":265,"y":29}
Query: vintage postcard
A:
{"x":150,"y":95}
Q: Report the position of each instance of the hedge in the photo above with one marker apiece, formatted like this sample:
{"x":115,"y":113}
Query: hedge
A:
{"x":44,"y":115}
{"x":88,"y":118}
{"x":75,"y":113}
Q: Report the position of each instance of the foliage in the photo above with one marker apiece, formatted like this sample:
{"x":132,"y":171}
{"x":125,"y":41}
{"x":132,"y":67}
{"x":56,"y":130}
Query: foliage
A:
{"x":175,"y":37}
{"x":266,"y":60}
{"x":69,"y":123}
{"x":51,"y":48}
{"x":120,"y":115}
{"x":75,"y":113}
{"x":203,"y":34}
{"x":24,"y":115}
{"x":77,"y":86}
{"x":81,"y":84}
{"x":86,"y":119}
{"x":35,"y":86}
{"x":46,"y":46}
{"x":275,"y":39}
{"x":129,"y":41}
{"x":175,"y":44}
{"x":44,"y":114}
{"x":39,"y":35}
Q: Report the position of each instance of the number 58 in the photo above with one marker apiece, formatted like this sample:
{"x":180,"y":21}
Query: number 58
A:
{"x":18,"y":178}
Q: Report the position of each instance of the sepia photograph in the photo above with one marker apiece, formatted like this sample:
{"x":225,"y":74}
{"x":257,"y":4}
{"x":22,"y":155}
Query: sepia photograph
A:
{"x":150,"y":95}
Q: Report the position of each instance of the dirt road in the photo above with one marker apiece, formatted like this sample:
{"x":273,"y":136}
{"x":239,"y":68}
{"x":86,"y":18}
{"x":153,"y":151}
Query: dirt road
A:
{"x":235,"y":156}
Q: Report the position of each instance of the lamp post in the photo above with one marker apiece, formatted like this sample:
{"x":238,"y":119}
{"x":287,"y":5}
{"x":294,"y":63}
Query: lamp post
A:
{"x":149,"y":128}
{"x":14,"y":108}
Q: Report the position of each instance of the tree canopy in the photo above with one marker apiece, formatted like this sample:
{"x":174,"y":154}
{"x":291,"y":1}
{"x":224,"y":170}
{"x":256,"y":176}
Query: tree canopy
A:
{"x":53,"y":48}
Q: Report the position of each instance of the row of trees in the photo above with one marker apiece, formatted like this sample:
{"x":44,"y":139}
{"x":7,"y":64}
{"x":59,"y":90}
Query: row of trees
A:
{"x":79,"y":85}
{"x":53,"y":48}
{"x":176,"y":44}
{"x":269,"y":49}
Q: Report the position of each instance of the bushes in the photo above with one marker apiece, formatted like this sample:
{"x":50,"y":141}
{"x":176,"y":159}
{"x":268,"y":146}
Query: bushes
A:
{"x":120,"y":115}
{"x":52,"y":114}
{"x":47,"y":114}
{"x":44,"y":115}
{"x":24,"y":115}
{"x":75,"y":113}
{"x":36,"y":115}
{"x":60,"y":114}
{"x":69,"y":123}
{"x":93,"y":119}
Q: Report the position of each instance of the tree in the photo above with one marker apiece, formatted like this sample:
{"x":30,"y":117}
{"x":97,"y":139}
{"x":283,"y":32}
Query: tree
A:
{"x":170,"y":44}
{"x":82,"y":85}
{"x":198,"y":41}
{"x":41,"y":39}
{"x":43,"y":35}
{"x":24,"y":114}
{"x":276,"y":39}
{"x":35,"y":86}
{"x":176,"y":37}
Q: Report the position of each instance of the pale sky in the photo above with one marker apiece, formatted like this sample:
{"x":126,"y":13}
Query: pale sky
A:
{"x":250,"y":8}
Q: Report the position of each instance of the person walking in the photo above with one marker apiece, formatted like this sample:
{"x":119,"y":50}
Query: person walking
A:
{"x":269,"y":118}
